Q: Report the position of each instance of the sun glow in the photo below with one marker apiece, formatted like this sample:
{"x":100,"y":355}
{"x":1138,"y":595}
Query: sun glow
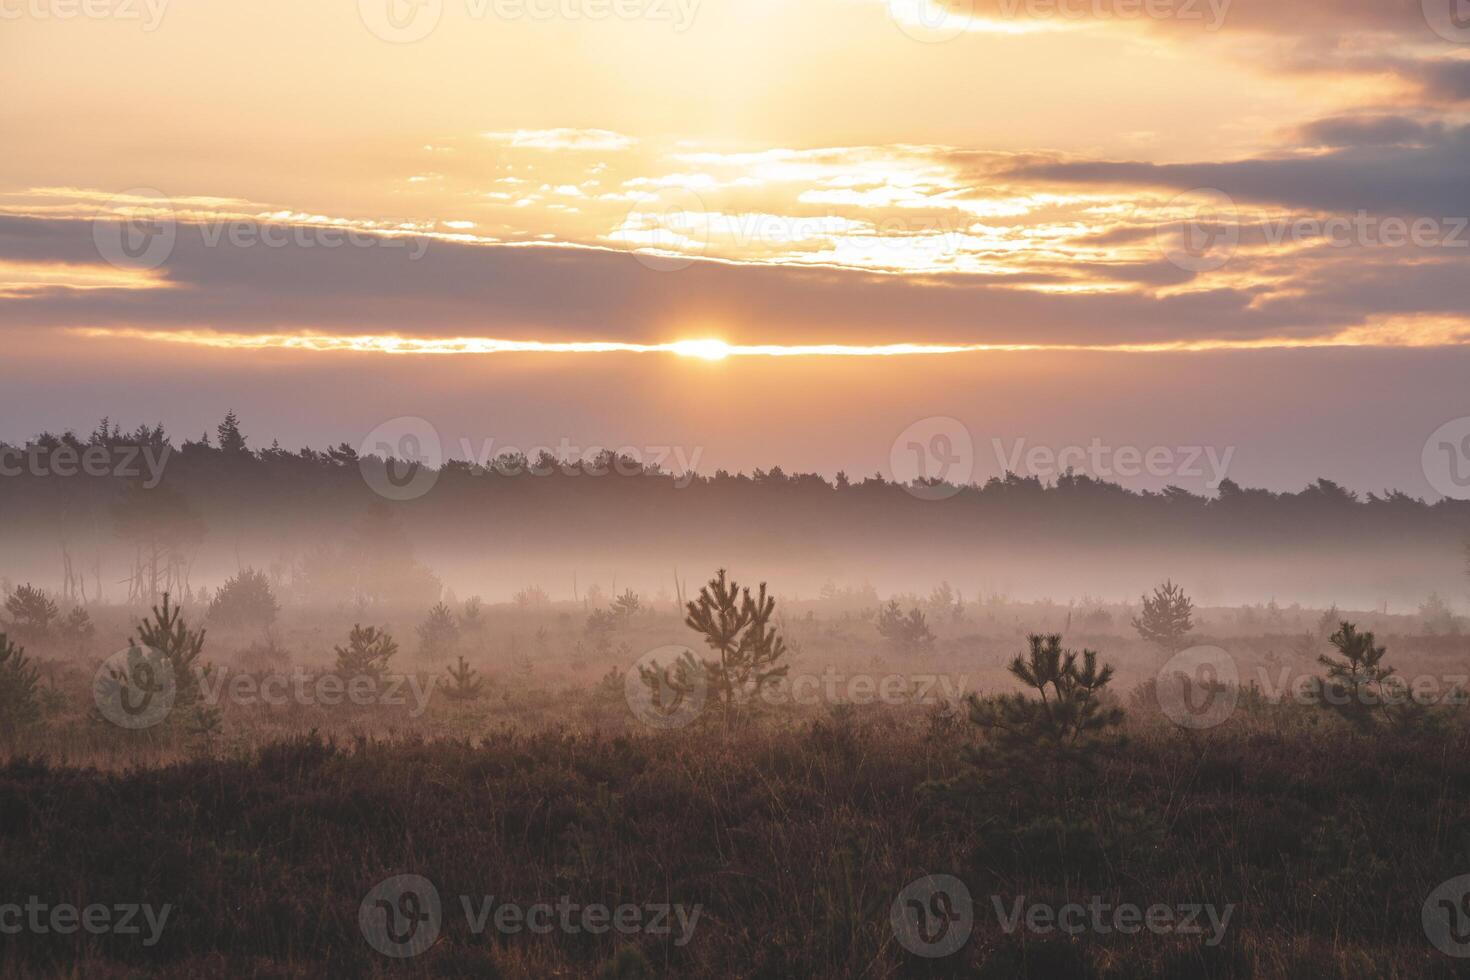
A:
{"x":1384,"y":332}
{"x":708,"y":349}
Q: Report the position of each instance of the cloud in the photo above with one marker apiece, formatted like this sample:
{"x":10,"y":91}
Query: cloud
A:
{"x":591,"y":140}
{"x":552,"y":293}
{"x":1364,"y":172}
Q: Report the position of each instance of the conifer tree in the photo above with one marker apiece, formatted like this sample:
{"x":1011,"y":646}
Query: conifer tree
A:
{"x":231,"y":439}
{"x":1364,"y":691}
{"x":438,"y":634}
{"x":467,"y":685}
{"x":737,"y":627}
{"x":1048,"y":744}
{"x":19,"y":699}
{"x":32,"y":613}
{"x":367,"y":652}
{"x":1167,"y":619}
{"x":167,"y":637}
{"x":905,"y":633}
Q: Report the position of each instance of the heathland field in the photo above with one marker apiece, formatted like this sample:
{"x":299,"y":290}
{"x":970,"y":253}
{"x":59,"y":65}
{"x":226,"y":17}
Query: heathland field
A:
{"x":539,"y":789}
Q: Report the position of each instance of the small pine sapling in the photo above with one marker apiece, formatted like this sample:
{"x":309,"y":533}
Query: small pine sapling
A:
{"x":468,"y":685}
{"x":20,"y":706}
{"x":367,"y":652}
{"x":1167,"y":619}
{"x":737,"y":626}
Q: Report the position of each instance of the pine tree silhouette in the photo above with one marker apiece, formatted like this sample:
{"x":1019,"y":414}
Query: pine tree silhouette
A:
{"x":1167,"y":619}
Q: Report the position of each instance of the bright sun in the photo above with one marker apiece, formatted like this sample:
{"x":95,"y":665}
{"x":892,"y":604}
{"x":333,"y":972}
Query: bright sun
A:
{"x":709,"y":349}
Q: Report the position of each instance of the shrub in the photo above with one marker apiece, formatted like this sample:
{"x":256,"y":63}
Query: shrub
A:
{"x":367,"y":652}
{"x":438,"y":634}
{"x":31,"y":613}
{"x":77,"y":629}
{"x":627,"y":604}
{"x":736,"y":625}
{"x":905,"y":633}
{"x":245,"y":600}
{"x":166,"y":637}
{"x":472,"y":619}
{"x":20,"y":706}
{"x":1364,"y":692}
{"x":1047,"y":745}
{"x":467,"y":684}
{"x":1167,"y":619}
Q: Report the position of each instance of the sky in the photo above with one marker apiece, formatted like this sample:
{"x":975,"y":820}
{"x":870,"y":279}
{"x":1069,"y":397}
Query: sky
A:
{"x":771,"y":233}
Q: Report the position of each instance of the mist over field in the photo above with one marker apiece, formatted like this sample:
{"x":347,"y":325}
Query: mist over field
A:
{"x":496,"y":526}
{"x":735,"y":489}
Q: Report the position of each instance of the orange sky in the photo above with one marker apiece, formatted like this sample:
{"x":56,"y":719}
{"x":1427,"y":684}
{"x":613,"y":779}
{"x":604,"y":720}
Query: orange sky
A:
{"x":833,"y":177}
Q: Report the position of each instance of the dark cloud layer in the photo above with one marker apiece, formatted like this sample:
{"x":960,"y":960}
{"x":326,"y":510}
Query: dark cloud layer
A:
{"x":556,"y":293}
{"x":1366,"y":172}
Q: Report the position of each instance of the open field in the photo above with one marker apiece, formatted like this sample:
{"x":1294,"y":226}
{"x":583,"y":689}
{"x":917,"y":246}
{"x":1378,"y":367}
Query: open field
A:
{"x":1279,"y":842}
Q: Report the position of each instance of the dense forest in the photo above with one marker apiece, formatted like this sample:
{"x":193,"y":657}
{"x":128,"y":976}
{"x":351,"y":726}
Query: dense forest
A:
{"x":116,"y":513}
